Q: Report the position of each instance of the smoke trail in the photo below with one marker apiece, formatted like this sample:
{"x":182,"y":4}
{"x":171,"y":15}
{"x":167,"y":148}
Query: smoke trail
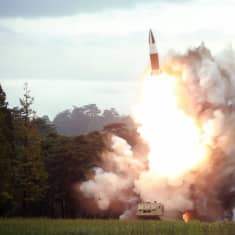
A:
{"x":113,"y":183}
{"x":206,"y":92}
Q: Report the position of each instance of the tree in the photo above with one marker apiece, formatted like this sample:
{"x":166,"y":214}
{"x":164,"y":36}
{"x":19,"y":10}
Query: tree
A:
{"x":6,"y":153}
{"x":30,"y":172}
{"x":68,"y":162}
{"x":110,"y":114}
{"x":86,"y":119}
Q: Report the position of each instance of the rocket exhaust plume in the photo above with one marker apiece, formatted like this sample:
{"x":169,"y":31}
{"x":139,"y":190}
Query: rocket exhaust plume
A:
{"x":187,"y":118}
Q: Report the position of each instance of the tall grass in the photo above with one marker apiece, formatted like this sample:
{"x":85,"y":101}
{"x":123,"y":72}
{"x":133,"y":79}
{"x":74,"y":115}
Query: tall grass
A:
{"x":111,"y":227}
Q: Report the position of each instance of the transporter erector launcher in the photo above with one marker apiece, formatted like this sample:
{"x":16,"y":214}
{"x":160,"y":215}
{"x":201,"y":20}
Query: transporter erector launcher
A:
{"x":153,"y":54}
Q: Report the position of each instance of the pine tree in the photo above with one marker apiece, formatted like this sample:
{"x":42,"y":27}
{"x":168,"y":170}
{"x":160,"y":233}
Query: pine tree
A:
{"x":30,"y":172}
{"x":6,"y":153}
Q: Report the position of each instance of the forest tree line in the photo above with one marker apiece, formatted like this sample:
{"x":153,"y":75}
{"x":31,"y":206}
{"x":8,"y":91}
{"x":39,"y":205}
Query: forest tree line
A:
{"x":89,"y":117}
{"x":39,"y":164}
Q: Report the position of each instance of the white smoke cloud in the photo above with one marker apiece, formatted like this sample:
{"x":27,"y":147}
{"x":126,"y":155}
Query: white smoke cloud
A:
{"x":173,"y":194}
{"x":114,"y":182}
{"x":105,"y":187}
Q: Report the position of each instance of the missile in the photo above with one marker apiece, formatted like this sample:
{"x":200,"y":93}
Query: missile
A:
{"x":153,"y":54}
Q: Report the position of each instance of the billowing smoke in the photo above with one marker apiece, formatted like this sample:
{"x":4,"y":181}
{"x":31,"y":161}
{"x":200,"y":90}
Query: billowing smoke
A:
{"x":206,"y":93}
{"x":113,"y":184}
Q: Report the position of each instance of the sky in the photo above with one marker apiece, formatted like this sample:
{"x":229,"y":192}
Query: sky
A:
{"x":76,"y":52}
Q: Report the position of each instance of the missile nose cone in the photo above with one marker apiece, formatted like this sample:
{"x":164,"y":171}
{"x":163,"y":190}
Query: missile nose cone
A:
{"x":151,"y":37}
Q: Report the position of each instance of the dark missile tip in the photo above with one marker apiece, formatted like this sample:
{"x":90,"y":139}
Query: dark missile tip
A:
{"x":151,"y":37}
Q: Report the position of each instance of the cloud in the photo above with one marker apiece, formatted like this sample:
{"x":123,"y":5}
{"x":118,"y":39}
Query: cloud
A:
{"x":111,"y":45}
{"x":36,"y":8}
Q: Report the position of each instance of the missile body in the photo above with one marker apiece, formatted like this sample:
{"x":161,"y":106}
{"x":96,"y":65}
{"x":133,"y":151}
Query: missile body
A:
{"x":153,"y":54}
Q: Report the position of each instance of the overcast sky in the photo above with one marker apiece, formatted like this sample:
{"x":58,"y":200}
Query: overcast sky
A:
{"x":95,"y":51}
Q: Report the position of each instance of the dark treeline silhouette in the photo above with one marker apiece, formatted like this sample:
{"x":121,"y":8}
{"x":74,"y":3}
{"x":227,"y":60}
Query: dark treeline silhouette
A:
{"x":39,"y":165}
{"x":86,"y":119}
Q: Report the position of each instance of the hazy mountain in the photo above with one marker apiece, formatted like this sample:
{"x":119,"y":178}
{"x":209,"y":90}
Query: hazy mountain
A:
{"x":86,"y":119}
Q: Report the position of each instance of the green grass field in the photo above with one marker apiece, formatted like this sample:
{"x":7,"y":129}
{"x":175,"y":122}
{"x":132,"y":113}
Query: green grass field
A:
{"x":111,"y":227}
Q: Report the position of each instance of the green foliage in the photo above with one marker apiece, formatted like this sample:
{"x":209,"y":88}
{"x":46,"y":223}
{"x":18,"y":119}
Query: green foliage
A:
{"x":121,"y":130}
{"x":26,"y":104}
{"x":111,"y":227}
{"x":30,"y":174}
{"x":40,"y":169}
{"x":68,"y":160}
{"x":6,"y":153}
